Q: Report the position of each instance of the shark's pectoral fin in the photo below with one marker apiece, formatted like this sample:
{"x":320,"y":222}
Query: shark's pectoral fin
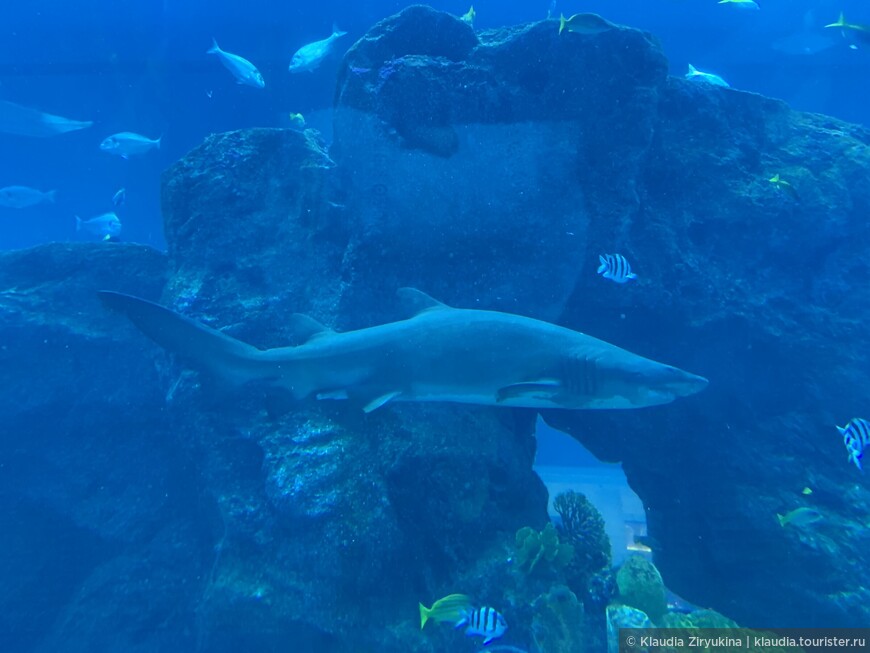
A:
{"x":540,"y":389}
{"x":381,"y":400}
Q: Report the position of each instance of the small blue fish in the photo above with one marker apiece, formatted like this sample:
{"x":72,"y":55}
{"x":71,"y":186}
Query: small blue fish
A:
{"x":106,"y":226}
{"x":856,"y":437}
{"x":483,"y":622}
{"x":615,"y":267}
{"x":696,"y":75}
{"x":119,"y":199}
{"x":310,"y":56}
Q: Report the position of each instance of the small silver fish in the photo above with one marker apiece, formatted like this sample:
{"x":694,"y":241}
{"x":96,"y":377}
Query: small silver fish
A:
{"x":856,"y":437}
{"x":127,"y":144}
{"x":243,"y":70}
{"x":483,"y":622}
{"x":106,"y":226}
{"x":310,"y":56}
{"x":696,"y":75}
{"x":615,"y":267}
{"x":21,"y":197}
{"x":119,"y":199}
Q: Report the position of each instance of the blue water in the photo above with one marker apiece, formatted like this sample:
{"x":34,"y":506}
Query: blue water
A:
{"x":141,"y":67}
{"x":132,"y":65}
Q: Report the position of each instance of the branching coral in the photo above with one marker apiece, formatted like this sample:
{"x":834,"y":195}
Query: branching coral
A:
{"x":583,"y":527}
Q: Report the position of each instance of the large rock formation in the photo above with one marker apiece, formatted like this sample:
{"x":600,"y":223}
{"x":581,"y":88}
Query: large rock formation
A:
{"x":490,"y":170}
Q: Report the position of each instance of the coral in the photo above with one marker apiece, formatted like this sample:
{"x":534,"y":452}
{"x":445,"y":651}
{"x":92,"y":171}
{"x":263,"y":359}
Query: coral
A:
{"x":583,"y":527}
{"x":600,"y":589}
{"x":557,"y":626}
{"x":535,"y":546}
{"x":640,"y":586}
{"x":624,"y":616}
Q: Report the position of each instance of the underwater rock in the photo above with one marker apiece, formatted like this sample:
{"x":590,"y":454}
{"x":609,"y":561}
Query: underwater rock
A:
{"x":252,"y":232}
{"x":640,"y":586}
{"x":557,"y":625}
{"x":462,"y":154}
{"x":97,"y":506}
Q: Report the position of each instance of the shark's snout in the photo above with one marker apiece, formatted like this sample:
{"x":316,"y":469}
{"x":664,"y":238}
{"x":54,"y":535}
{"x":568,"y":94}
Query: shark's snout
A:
{"x":679,"y":382}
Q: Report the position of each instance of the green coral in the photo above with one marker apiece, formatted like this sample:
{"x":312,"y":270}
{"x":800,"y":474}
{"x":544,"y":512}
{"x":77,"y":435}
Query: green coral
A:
{"x":640,"y":586}
{"x":583,"y":527}
{"x":534,"y":546}
{"x":557,"y":626}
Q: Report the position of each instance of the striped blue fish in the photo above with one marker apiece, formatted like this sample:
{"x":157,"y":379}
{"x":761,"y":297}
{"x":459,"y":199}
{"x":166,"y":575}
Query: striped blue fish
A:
{"x":483,"y":622}
{"x":615,"y":267}
{"x":856,"y":437}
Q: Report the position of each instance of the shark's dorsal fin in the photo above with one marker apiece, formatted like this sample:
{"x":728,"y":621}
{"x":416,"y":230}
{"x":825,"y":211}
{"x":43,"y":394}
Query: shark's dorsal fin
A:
{"x":303,"y":328}
{"x":416,"y":301}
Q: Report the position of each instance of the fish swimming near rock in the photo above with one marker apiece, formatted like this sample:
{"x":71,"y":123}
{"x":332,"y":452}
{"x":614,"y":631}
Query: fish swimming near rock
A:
{"x":440,"y":353}
{"x":856,"y":437}
{"x":106,"y":226}
{"x":22,"y":197}
{"x":451,"y":608}
{"x":615,"y":267}
{"x":243,"y":70}
{"x":483,"y":622}
{"x":589,"y":24}
{"x":310,"y":56}
{"x":127,"y":144}
{"x":696,"y":75}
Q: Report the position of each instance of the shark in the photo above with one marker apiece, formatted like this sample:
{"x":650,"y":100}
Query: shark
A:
{"x":438,"y":354}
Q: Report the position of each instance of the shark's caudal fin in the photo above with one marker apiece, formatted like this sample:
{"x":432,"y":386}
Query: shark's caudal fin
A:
{"x":209,"y":349}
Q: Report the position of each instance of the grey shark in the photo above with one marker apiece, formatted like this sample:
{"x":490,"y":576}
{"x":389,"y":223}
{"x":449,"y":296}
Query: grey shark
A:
{"x":439,"y":354}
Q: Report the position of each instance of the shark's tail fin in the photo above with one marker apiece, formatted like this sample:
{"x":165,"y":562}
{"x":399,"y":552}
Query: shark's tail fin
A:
{"x":207,"y":348}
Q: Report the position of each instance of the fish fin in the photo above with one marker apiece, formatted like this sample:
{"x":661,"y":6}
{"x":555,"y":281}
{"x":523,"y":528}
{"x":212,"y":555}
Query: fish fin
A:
{"x":562,"y":22}
{"x":208,"y":348}
{"x":304,"y":328}
{"x":416,"y":301}
{"x":488,"y":640}
{"x":631,"y":275}
{"x":215,"y":48}
{"x":424,"y":615}
{"x":158,"y":141}
{"x":842,"y":430}
{"x":781,"y":519}
{"x":336,"y":32}
{"x":51,"y":195}
{"x":692,"y":70}
{"x":79,"y":224}
{"x":603,"y":262}
{"x":545,"y":387}
{"x":382,"y":400}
